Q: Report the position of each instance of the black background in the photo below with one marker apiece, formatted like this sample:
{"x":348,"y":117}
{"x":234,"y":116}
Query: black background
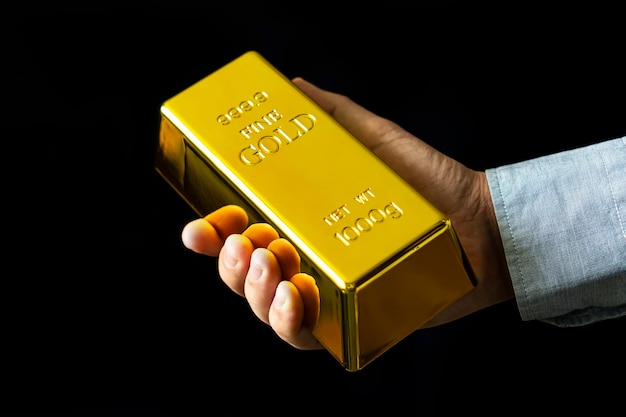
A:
{"x":104,"y":312}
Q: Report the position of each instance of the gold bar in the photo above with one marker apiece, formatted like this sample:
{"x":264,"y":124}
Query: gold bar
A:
{"x":384,"y":259}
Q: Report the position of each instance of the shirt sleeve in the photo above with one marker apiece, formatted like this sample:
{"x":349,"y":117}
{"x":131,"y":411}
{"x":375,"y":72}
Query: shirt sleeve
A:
{"x":562,"y":218}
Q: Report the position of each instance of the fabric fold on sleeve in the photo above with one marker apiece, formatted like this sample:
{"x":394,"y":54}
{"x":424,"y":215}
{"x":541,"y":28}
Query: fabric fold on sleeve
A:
{"x":562,"y":218}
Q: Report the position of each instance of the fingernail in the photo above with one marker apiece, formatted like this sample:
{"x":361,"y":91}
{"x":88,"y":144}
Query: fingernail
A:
{"x":230,"y":261}
{"x":258,"y":262}
{"x":280,"y":296}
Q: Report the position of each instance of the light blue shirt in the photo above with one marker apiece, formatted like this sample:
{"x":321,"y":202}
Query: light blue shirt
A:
{"x":562,"y":219}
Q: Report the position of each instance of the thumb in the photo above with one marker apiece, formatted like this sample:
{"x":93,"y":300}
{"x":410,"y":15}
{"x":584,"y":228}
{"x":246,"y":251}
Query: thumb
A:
{"x":427,"y":170}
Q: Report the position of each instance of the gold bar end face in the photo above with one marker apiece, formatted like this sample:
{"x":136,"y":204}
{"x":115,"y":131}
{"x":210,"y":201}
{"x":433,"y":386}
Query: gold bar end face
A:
{"x":384,"y":259}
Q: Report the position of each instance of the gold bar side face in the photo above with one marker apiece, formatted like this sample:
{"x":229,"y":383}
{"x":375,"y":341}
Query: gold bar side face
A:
{"x":384,"y":259}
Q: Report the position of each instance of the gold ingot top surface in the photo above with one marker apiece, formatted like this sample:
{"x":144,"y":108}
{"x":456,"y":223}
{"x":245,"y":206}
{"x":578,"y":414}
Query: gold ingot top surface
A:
{"x":344,"y":209}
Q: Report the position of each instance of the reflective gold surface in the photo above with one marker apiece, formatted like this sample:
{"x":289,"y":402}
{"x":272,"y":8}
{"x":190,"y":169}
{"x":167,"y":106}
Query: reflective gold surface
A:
{"x":385,"y":260}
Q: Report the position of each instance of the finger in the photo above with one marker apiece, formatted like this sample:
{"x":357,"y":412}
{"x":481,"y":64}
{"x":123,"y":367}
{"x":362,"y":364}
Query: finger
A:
{"x":261,"y":281}
{"x":261,"y":234}
{"x":200,"y":236}
{"x":207,"y":235}
{"x":286,"y":317}
{"x":287,"y":256}
{"x":365,"y":125}
{"x":228,"y":220}
{"x":234,"y":261}
{"x":310,"y":297}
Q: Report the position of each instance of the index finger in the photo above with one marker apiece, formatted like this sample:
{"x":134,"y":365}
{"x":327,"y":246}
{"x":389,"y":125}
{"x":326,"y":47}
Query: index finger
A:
{"x":207,"y":235}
